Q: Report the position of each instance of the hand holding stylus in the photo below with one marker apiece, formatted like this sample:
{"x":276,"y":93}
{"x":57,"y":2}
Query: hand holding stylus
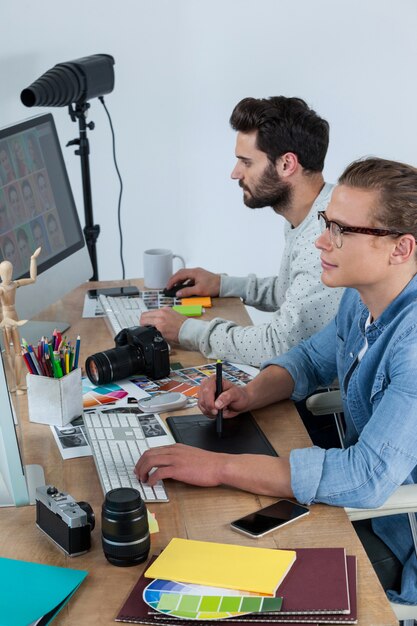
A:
{"x":231,"y":401}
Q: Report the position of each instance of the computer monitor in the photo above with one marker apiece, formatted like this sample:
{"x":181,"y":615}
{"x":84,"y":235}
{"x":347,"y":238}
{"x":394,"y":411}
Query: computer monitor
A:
{"x":17,"y":482}
{"x":37,"y":208}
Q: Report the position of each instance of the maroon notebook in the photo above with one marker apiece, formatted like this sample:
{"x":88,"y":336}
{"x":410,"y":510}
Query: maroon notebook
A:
{"x":308,"y":618}
{"x":331,"y":579}
{"x":295,"y":619}
{"x":321,"y":574}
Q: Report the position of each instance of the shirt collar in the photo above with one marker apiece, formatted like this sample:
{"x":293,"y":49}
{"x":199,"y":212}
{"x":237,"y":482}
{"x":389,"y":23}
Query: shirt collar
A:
{"x":404,"y":298}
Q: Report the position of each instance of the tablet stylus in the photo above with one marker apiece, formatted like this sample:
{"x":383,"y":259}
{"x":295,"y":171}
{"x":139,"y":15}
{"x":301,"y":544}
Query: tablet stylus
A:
{"x":219,"y":389}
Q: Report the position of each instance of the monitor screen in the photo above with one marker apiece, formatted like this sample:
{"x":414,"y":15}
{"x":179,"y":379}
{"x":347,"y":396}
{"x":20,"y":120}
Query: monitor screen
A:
{"x":37,"y":208}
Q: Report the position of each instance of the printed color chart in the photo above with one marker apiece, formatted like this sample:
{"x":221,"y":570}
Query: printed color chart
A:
{"x":199,"y":602}
{"x":97,"y":396}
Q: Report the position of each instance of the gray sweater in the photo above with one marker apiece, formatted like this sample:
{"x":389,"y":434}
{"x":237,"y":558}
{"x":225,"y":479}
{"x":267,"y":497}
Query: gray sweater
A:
{"x":301,"y":304}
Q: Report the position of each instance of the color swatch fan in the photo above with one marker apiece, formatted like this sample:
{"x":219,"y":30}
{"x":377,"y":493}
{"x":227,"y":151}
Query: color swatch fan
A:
{"x":197,"y":602}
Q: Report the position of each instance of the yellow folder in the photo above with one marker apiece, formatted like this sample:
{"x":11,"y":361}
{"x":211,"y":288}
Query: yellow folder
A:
{"x":257,"y":570}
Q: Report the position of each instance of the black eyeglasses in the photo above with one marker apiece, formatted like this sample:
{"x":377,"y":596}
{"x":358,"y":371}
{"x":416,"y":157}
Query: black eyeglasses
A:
{"x":336,"y":230}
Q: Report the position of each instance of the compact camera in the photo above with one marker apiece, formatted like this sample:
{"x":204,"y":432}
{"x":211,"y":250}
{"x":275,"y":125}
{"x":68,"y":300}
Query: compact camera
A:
{"x":66,"y":522}
{"x":139,"y":350}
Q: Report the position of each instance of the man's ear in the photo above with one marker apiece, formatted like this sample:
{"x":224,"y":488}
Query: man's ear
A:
{"x":287,"y":164}
{"x":404,"y":249}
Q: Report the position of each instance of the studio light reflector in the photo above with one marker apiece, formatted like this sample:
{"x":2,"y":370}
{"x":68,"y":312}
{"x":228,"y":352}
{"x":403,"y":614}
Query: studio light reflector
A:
{"x":72,"y":82}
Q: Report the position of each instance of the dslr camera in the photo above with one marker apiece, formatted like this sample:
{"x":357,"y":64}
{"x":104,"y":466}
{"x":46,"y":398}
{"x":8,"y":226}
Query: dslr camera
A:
{"x":66,"y":522}
{"x":139,"y":350}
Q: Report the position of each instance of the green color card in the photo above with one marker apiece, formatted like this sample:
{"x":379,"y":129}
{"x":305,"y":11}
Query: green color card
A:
{"x":189,"y":603}
{"x":168,"y":601}
{"x":251,"y":604}
{"x":230,"y":604}
{"x":210,"y":604}
{"x":271,"y":604}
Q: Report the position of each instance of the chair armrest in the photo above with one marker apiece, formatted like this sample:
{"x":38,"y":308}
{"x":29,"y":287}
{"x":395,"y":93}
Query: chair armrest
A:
{"x":404,"y":500}
{"x":325,"y":403}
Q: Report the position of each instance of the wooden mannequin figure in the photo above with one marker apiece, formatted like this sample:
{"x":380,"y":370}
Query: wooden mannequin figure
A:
{"x":10,"y":321}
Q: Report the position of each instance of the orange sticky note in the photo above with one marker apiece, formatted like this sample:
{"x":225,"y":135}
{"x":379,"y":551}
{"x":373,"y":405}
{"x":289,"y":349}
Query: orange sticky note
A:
{"x":204,"y":301}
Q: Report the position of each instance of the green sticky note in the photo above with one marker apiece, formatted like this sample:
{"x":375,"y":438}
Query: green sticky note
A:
{"x":191,"y":310}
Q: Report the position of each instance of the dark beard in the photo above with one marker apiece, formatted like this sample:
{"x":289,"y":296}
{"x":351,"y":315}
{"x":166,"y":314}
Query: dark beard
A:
{"x":271,"y":191}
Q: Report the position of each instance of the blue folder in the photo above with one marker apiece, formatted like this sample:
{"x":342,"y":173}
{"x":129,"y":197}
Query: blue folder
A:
{"x":30,"y":591}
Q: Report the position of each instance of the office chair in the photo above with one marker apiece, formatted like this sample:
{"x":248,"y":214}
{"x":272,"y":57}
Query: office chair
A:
{"x":404,"y":500}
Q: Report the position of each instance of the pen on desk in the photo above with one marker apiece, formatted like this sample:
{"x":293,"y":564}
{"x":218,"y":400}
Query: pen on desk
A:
{"x":219,"y":389}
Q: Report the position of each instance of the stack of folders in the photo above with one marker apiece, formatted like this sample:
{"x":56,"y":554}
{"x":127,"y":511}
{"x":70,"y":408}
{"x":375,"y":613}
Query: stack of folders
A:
{"x":203,"y":581}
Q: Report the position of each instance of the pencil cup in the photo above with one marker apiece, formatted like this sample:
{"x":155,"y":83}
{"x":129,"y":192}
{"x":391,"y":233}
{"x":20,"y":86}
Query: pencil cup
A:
{"x":55,"y":400}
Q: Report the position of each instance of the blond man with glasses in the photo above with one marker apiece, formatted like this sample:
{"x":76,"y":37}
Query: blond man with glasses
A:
{"x":368,"y":245}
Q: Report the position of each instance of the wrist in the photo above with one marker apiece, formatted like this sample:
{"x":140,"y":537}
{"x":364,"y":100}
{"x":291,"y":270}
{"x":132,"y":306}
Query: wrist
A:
{"x":226,"y":471}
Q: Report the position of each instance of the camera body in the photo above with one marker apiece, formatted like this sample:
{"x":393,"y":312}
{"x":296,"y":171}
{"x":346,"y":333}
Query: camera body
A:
{"x":66,"y":522}
{"x":152,"y":345}
{"x":139,"y":350}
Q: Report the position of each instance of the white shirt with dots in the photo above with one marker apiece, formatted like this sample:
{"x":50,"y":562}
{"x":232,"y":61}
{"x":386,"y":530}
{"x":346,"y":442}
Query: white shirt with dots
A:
{"x":300,"y":303}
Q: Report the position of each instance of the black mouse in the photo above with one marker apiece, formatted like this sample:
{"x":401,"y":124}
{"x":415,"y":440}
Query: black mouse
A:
{"x":171,"y":293}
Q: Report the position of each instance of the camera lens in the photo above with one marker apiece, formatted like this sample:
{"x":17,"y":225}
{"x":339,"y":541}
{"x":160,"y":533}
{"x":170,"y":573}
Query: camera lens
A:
{"x":125,"y":530}
{"x":114,"y":364}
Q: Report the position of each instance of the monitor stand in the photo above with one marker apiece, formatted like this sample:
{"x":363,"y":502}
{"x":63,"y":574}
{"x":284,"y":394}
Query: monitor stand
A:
{"x":35,"y":477}
{"x":33,"y":331}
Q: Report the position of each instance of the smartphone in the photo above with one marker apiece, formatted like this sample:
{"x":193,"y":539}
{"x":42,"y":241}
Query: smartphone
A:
{"x":114,"y":292}
{"x":270,"y":518}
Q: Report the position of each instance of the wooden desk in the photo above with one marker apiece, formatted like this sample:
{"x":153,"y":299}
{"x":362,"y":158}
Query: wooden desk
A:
{"x":195,"y":513}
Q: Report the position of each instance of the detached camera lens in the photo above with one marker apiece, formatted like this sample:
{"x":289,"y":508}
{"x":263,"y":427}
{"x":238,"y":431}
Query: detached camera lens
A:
{"x":125,"y":530}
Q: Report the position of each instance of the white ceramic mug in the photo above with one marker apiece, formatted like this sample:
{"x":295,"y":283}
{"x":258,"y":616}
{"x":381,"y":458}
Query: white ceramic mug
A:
{"x":158,"y":267}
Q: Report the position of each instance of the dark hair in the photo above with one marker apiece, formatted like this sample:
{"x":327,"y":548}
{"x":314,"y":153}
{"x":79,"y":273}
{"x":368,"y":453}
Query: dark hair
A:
{"x":284,"y":125}
{"x":396,"y":184}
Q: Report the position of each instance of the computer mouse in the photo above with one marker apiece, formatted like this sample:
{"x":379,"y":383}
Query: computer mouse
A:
{"x":171,"y":293}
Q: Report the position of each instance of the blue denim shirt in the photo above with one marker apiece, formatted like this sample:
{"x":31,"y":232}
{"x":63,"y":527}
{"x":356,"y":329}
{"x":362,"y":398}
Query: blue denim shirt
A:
{"x":379,"y":396}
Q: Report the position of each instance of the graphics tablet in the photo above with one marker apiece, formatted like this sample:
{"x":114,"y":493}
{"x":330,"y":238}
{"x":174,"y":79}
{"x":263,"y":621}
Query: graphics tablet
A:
{"x":241,"y":434}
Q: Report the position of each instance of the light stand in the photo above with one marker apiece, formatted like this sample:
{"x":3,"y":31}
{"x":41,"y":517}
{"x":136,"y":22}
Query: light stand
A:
{"x":72,"y":84}
{"x":91,"y":230}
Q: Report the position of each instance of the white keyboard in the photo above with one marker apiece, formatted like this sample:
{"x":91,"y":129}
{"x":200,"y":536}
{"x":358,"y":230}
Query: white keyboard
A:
{"x":118,"y":437}
{"x":122,"y":312}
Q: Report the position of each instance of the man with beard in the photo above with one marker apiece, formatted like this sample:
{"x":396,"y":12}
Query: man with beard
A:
{"x":280,"y":149}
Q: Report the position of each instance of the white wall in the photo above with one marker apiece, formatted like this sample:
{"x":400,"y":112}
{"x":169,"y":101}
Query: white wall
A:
{"x":181,"y":66}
